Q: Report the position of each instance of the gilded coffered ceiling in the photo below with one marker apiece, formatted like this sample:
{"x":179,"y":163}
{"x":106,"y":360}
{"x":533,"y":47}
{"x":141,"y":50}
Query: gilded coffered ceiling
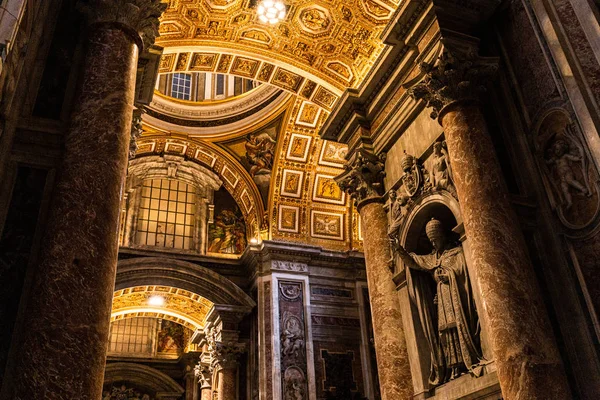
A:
{"x":184,"y":307}
{"x":332,"y":43}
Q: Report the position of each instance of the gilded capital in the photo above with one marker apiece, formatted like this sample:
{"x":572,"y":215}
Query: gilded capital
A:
{"x":458,"y":75}
{"x":140,"y":16}
{"x":363,"y":176}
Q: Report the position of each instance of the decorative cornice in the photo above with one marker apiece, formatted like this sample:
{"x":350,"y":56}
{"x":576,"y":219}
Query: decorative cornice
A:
{"x":363,"y":178}
{"x":459,"y":75}
{"x":140,"y":16}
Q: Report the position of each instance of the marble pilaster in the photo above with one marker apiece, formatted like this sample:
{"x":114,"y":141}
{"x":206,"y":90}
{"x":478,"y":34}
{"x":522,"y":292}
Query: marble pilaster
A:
{"x":63,"y":349}
{"x":363,"y":180}
{"x":525,"y":351}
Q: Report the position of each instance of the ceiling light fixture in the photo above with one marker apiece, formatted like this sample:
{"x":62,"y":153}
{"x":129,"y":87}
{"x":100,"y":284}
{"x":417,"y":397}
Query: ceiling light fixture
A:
{"x":270,"y":11}
{"x":156,"y":301}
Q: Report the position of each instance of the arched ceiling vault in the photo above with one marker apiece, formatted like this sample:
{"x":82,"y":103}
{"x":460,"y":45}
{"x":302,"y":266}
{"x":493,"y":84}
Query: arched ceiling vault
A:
{"x":320,"y":49}
{"x":331,"y":42}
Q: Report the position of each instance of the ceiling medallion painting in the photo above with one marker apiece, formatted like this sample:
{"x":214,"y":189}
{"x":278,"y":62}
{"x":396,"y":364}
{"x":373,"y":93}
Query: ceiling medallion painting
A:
{"x":309,"y":37}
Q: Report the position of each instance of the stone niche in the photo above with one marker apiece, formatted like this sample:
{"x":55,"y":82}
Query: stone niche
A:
{"x":434,"y":374}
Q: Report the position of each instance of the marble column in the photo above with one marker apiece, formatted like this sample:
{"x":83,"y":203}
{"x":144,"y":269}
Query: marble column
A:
{"x":525,"y":351}
{"x":63,"y":348}
{"x":363,"y":180}
{"x":204,"y":375}
{"x":225,"y":358}
{"x":227,"y":378}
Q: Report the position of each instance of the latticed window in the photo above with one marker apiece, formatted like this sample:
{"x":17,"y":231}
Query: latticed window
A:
{"x":182,"y":86}
{"x":166,"y":214}
{"x":133,"y":336}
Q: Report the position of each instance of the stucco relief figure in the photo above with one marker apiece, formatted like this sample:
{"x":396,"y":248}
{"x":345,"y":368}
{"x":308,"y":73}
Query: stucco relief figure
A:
{"x":260,"y":149}
{"x":259,"y":152}
{"x":295,"y":384}
{"x":441,"y":171}
{"x":448,"y":315}
{"x":562,"y":161}
{"x":292,"y":338}
{"x":398,"y":212}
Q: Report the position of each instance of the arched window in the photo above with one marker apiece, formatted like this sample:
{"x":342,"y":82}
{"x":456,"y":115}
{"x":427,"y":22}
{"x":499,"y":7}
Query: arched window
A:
{"x":167,"y":214}
{"x":181,"y":87}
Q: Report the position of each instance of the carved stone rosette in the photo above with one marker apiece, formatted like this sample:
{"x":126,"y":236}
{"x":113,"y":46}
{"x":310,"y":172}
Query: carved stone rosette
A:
{"x":363,"y":178}
{"x":458,"y":75}
{"x":139,"y":15}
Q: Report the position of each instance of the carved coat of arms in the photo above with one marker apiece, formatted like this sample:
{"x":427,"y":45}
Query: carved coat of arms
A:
{"x":413,"y":176}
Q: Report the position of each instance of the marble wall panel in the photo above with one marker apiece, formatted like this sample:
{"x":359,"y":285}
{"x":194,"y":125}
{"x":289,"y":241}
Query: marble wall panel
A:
{"x":292,"y":325}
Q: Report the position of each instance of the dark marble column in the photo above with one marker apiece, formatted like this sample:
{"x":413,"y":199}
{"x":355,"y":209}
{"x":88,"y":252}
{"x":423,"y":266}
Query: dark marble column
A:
{"x":227,"y":378}
{"x":225,"y":362}
{"x":204,"y":377}
{"x":525,"y":351}
{"x":363,"y":179}
{"x":63,"y":347}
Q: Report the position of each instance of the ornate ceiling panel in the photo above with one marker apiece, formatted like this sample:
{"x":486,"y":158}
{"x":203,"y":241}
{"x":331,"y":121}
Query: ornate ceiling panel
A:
{"x":334,"y":41}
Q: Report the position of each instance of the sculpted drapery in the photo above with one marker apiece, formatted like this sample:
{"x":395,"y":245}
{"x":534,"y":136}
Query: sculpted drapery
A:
{"x":447,"y":312}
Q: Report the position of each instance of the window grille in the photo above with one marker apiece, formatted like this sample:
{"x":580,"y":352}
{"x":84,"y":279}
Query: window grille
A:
{"x":181,"y":86}
{"x":166,"y":214}
{"x":133,"y":336}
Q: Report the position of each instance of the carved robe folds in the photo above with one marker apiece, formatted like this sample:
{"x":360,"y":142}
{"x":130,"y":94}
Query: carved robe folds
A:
{"x":454,"y":339}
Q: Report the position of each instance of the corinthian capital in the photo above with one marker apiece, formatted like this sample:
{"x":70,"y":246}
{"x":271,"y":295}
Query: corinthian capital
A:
{"x":136,"y":130}
{"x":226,"y":355}
{"x":363,"y":178}
{"x":141,"y":16}
{"x":204,"y":374}
{"x":458,"y":75}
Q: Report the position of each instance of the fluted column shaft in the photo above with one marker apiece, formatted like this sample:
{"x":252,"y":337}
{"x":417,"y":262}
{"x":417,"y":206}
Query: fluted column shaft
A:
{"x":363,"y":180}
{"x":529,"y":365}
{"x":390,"y":344}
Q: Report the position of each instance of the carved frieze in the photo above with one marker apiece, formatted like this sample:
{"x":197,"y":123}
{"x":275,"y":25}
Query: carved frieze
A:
{"x":289,"y":266}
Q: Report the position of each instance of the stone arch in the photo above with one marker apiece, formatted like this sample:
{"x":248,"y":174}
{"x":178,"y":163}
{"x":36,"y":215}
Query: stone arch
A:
{"x":184,"y":275}
{"x":143,"y":377}
{"x":234,"y":177}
